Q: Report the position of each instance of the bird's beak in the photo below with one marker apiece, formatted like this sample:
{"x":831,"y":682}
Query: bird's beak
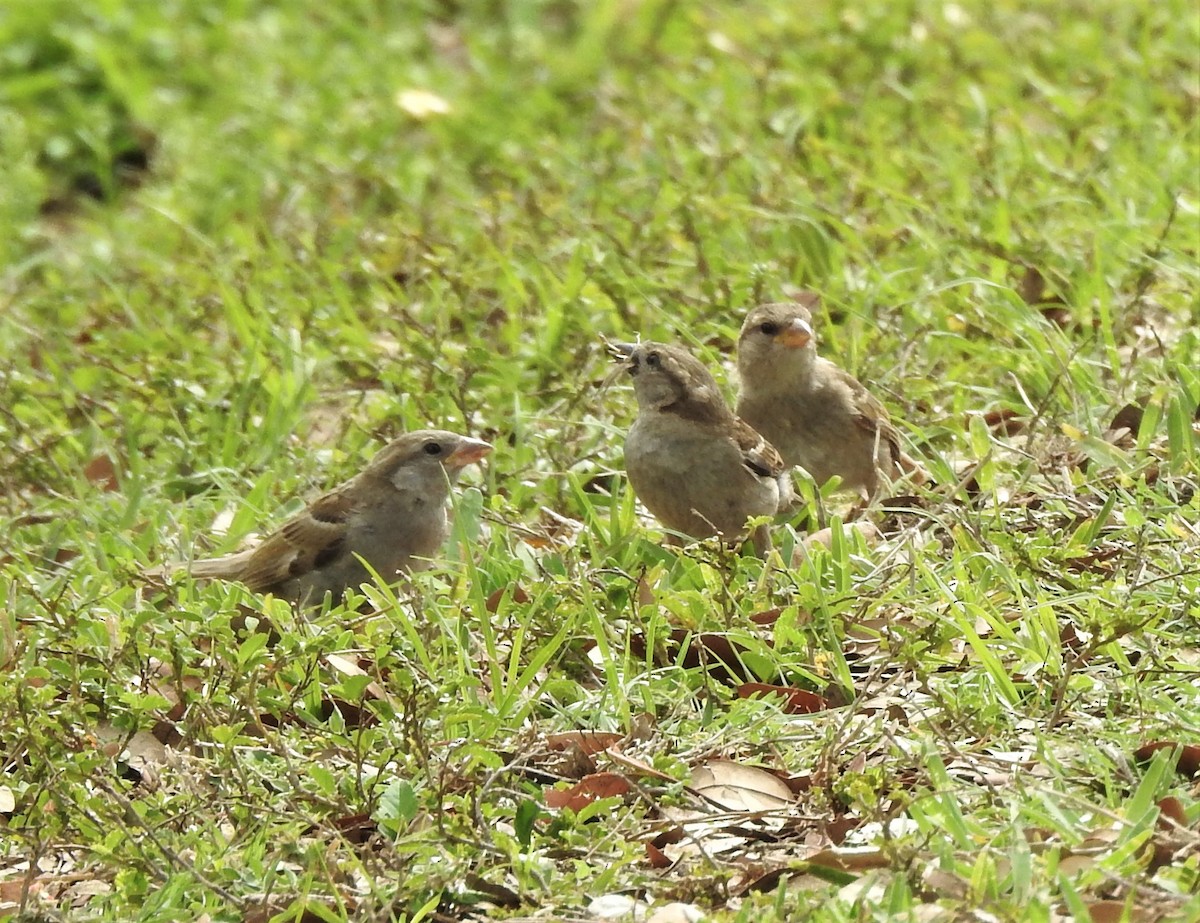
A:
{"x":795,"y":335}
{"x":468,"y":452}
{"x":619,"y":351}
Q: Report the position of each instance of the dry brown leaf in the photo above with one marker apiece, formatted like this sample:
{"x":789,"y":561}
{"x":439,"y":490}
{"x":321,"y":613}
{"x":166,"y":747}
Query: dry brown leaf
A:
{"x":852,"y":859}
{"x":795,"y":701}
{"x":517,"y":595}
{"x":1130,"y":416}
{"x":766,"y":617}
{"x":1121,"y":912}
{"x":738,"y":787}
{"x":589,"y":742}
{"x":102,"y":472}
{"x":1169,"y":836}
{"x":721,"y":658}
{"x":1189,"y":755}
{"x":350,"y":667}
{"x":1171,"y":807}
{"x":824,"y":538}
{"x":1004,"y":421}
{"x":590,"y":788}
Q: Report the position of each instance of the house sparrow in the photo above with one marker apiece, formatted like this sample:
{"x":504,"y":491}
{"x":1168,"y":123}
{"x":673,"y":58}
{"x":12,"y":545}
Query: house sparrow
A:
{"x":392,"y":515}
{"x":820,"y":417}
{"x":694,"y":464}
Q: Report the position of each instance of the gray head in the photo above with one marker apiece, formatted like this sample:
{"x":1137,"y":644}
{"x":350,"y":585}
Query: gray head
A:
{"x":668,"y":378}
{"x":426,"y":457}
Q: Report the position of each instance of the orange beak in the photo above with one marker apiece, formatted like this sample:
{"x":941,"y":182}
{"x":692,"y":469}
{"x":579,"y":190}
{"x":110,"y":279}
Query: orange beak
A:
{"x":469,"y":452}
{"x":795,"y":335}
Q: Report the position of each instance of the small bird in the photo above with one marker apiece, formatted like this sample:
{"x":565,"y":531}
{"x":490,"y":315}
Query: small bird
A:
{"x":820,"y":417}
{"x":392,"y":515}
{"x":695,"y":465}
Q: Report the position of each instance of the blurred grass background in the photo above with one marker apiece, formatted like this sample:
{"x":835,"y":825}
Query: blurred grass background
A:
{"x":241,"y":242}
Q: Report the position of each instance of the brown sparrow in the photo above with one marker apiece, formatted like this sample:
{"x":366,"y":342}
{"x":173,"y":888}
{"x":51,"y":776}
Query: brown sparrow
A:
{"x":820,"y":417}
{"x":392,"y":515}
{"x":695,"y":465}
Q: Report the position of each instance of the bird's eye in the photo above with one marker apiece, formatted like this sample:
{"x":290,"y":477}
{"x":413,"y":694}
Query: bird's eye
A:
{"x":769,"y":328}
{"x":433,"y":448}
{"x":652,"y":360}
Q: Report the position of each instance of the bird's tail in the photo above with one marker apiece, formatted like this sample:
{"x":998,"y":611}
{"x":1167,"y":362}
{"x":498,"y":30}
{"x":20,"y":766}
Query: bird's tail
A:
{"x":227,"y":567}
{"x":913,"y":470}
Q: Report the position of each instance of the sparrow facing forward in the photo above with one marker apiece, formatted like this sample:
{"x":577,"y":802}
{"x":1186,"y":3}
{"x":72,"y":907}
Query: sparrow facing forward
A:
{"x":392,"y":515}
{"x":820,"y":417}
{"x":695,"y":465}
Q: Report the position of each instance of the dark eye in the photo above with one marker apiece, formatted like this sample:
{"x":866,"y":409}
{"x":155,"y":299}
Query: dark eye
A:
{"x":652,"y":360}
{"x":433,"y":448}
{"x":769,"y":328}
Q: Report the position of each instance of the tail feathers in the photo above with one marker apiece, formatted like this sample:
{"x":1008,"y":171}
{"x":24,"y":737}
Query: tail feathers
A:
{"x":913,"y":469}
{"x":228,"y":567}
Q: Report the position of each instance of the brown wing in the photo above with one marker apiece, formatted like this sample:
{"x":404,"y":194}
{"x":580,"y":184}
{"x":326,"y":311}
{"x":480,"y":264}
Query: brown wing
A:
{"x":758,"y":455}
{"x":301,"y":544}
{"x":872,"y":416}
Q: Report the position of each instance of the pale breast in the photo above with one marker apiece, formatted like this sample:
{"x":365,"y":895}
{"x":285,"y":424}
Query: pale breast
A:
{"x":693,"y":481}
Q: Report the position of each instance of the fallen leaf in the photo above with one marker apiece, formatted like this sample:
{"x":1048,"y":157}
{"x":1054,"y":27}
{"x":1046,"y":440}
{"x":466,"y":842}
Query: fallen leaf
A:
{"x":590,"y":788}
{"x":796,"y":701}
{"x":852,"y":859}
{"x":516,"y":592}
{"x":1121,"y":912}
{"x":824,"y":538}
{"x":102,"y":472}
{"x":1130,"y":416}
{"x":657,"y":858}
{"x":617,"y":907}
{"x":721,"y":658}
{"x":347,"y":667}
{"x":421,"y":104}
{"x":589,"y":742}
{"x":1172,"y":821}
{"x":1189,"y":755}
{"x":737,"y":787}
{"x":767,"y":617}
{"x":1004,"y":421}
{"x":676,"y":912}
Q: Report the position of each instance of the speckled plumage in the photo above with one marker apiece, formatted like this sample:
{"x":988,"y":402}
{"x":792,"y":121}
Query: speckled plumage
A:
{"x":692,"y":462}
{"x":819,"y":417}
{"x":392,"y":515}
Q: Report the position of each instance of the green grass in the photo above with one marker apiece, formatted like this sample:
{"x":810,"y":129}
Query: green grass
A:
{"x":232,"y":263}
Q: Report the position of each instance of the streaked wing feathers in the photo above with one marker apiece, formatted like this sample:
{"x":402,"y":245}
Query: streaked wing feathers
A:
{"x":872,"y":416}
{"x":300,"y":544}
{"x":758,"y":455}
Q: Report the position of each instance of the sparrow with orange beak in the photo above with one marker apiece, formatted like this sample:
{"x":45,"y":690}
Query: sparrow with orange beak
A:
{"x":818,"y":416}
{"x":392,"y":515}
